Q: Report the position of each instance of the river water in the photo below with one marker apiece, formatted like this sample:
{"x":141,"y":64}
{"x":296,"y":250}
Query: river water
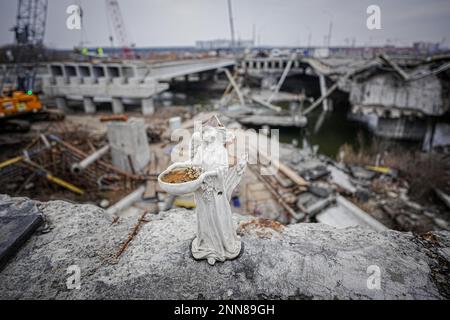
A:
{"x":335,"y":131}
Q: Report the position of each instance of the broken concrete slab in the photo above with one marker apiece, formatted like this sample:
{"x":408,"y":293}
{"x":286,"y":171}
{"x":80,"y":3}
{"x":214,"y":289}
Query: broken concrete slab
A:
{"x":18,"y":220}
{"x":129,"y":145}
{"x":306,"y":199}
{"x":341,"y":179}
{"x":312,"y":261}
{"x":315,"y":173}
{"x":273,"y":121}
{"x":346,"y":214}
{"x":312,"y":203}
{"x":361,"y":173}
{"x":320,"y":190}
{"x":319,"y":206}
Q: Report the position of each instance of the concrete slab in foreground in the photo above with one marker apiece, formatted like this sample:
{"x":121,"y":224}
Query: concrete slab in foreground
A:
{"x":302,"y":261}
{"x":18,"y":220}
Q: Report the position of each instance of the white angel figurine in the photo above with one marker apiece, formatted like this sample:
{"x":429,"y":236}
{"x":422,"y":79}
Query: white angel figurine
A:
{"x":216,"y":238}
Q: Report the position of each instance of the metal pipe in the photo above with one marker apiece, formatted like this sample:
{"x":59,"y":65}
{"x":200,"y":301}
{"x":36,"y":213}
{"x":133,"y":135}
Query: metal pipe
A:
{"x":83,"y":164}
{"x":49,"y":176}
{"x":105,"y":165}
{"x":26,"y":154}
{"x":126,"y":201}
{"x":230,"y":14}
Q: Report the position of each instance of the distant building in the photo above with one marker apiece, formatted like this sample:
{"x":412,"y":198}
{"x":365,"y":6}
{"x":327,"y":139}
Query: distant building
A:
{"x":222,"y":44}
{"x":321,"y":52}
{"x":371,"y":52}
{"x":426,"y":47}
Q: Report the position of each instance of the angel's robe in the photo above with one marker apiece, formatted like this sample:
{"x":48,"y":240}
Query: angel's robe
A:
{"x":216,"y":238}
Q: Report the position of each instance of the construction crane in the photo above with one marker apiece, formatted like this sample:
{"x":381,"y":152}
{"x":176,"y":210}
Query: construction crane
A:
{"x":30,"y":22}
{"x":29,"y":34}
{"x":120,"y":32}
{"x":230,"y":16}
{"x":18,"y":99}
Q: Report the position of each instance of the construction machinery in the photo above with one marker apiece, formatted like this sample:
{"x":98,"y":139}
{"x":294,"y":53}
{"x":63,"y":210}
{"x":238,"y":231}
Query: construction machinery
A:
{"x":19,"y":104}
{"x":18,"y":109}
{"x":117,"y":23}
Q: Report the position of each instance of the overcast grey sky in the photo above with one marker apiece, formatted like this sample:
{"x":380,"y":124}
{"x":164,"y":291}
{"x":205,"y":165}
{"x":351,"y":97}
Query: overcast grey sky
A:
{"x":277,"y":22}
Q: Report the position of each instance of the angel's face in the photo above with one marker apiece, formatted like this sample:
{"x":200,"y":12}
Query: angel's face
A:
{"x":209,"y":135}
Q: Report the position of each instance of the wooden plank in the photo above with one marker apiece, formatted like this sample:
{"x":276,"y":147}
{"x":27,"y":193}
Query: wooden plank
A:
{"x":283,"y":180}
{"x":275,"y":194}
{"x":288,"y":172}
{"x":260,"y":195}
{"x":256,"y":187}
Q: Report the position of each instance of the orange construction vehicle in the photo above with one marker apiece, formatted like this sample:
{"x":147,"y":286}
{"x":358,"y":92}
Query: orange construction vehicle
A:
{"x":18,"y":109}
{"x":19,"y":103}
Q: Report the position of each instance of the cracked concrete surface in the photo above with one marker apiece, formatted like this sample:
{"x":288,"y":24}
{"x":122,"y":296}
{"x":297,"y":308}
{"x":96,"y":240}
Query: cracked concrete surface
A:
{"x":301,"y":261}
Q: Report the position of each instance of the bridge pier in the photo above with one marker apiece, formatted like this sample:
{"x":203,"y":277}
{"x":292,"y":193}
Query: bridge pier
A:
{"x":61,"y":104}
{"x":89,"y":105}
{"x":268,"y":82}
{"x":323,"y":90}
{"x":117,"y":105}
{"x":148,"y":107}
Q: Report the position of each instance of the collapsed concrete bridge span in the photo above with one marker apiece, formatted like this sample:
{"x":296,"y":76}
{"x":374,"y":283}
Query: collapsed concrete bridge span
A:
{"x":119,"y":82}
{"x":395,"y":107}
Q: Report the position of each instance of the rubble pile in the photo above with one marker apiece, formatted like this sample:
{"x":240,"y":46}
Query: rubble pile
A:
{"x":378,"y":191}
{"x":311,"y":187}
{"x":44,"y":169}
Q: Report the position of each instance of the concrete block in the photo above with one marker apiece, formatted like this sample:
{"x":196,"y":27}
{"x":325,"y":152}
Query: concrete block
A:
{"x":174,"y":123}
{"x":89,"y":105}
{"x":345,"y":214}
{"x":18,"y":220}
{"x":129,"y":146}
{"x":117,"y":105}
{"x":147,"y":106}
{"x":61,"y":104}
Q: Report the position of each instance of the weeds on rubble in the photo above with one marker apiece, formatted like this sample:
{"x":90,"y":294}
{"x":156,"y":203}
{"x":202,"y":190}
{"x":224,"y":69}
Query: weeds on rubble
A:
{"x":378,"y":186}
{"x":366,"y":206}
{"x":422,"y":171}
{"x":425,"y":172}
